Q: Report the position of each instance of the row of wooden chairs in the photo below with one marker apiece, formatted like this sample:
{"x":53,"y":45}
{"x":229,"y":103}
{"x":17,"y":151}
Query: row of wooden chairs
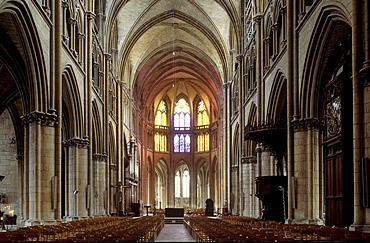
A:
{"x":100,"y":229}
{"x":248,"y":229}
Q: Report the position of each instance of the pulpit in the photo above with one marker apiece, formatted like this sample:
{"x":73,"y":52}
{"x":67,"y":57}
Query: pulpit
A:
{"x":271,"y":190}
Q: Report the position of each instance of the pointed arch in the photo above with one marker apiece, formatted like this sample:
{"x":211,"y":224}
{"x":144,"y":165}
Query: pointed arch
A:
{"x":277,"y":104}
{"x":72,"y":107}
{"x":97,"y":143}
{"x":252,"y":116}
{"x":112,"y":171}
{"x":326,"y":83}
{"x":251,"y":123}
{"x":331,"y":18}
{"x":28,"y":64}
{"x":203,"y":183}
{"x":182,"y":176}
{"x":161,"y":183}
{"x":236,"y":145}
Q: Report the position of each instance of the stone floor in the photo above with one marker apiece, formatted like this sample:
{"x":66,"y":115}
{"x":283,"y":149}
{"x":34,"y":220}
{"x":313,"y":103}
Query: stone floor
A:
{"x":174,"y":233}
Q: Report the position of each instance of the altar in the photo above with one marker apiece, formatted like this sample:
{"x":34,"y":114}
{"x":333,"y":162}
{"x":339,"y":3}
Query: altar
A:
{"x":174,"y":215}
{"x":174,"y":212}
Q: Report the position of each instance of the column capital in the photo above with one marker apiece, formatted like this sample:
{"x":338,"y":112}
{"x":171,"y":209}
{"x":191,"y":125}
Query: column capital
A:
{"x":65,"y":4}
{"x":41,"y":118}
{"x":90,"y":15}
{"x":239,"y":57}
{"x":283,"y":10}
{"x":100,"y":157}
{"x":225,"y":85}
{"x":304,"y":124}
{"x":249,"y":159}
{"x":257,"y":18}
{"x":78,"y":142}
{"x":107,"y":56}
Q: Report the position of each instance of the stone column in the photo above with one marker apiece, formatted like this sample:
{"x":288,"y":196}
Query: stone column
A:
{"x":77,"y":178}
{"x":259,"y":67}
{"x":73,"y":23}
{"x":81,"y":48}
{"x":290,"y":104}
{"x":88,"y":104}
{"x":275,"y":28}
{"x":21,"y":181}
{"x":40,"y":166}
{"x":65,"y":21}
{"x":283,"y":17}
{"x":359,"y":212}
{"x":100,"y":161}
{"x":265,"y":160}
{"x":365,"y":79}
{"x":105,"y":137}
{"x":241,"y":150}
{"x":273,"y":164}
{"x":258,"y":172}
{"x":56,"y":101}
{"x":302,"y":9}
{"x":225,"y":170}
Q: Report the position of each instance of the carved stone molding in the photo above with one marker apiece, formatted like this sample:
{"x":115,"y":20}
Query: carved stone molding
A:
{"x":249,"y":159}
{"x":257,"y":18}
{"x":100,"y":157}
{"x":40,"y":118}
{"x":90,"y":15}
{"x":304,"y":124}
{"x":79,"y":142}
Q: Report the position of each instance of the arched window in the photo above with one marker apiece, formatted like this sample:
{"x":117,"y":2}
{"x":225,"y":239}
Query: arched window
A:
{"x":160,"y":138}
{"x":182,"y":186}
{"x":203,"y":118}
{"x":202,"y":123}
{"x":161,"y":116}
{"x":181,"y":116}
{"x":181,"y":123}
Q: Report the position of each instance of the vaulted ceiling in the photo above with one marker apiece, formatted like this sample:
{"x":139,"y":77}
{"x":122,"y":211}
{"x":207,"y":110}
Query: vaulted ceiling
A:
{"x":175,"y":45}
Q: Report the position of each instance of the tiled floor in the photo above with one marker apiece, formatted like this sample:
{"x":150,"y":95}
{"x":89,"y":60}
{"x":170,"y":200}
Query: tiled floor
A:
{"x":174,"y":233}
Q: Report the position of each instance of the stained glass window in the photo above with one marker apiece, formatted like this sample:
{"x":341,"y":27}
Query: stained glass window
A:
{"x":203,"y":118}
{"x":181,"y":116}
{"x":181,"y":121}
{"x":161,"y":116}
{"x":160,"y":139}
{"x":202,"y":122}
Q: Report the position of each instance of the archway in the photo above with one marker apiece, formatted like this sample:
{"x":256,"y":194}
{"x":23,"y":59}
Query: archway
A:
{"x":203,"y":184}
{"x":160,"y":200}
{"x":182,"y":185}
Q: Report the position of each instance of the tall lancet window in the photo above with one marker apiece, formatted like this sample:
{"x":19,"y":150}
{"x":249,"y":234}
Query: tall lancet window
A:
{"x":202,"y":124}
{"x":181,"y":123}
{"x":160,"y":138}
{"x":182,"y":186}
